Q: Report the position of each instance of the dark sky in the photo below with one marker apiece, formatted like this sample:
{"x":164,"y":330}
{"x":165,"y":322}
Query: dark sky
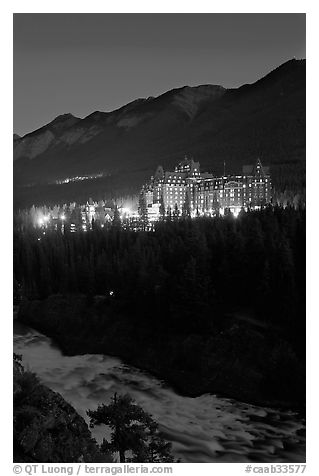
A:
{"x":80,"y":63}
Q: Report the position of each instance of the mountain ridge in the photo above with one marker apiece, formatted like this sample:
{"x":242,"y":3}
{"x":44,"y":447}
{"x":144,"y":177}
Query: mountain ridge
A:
{"x":98,"y":112}
{"x":265,"y":118}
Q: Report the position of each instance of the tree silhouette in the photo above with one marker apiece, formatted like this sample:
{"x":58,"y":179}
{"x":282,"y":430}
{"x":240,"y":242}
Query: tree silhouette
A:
{"x":133,"y":430}
{"x":143,"y":211}
{"x":116,"y":222}
{"x":162,"y":208}
{"x":176,"y":212}
{"x":186,"y":211}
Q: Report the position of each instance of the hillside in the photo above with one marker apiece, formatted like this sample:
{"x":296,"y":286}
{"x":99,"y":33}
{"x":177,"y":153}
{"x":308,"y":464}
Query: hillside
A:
{"x":209,"y":305}
{"x":214,"y":124}
{"x":47,"y":429}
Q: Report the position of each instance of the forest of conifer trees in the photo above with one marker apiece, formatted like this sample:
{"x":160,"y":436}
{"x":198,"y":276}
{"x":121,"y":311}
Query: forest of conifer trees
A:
{"x":191,"y":280}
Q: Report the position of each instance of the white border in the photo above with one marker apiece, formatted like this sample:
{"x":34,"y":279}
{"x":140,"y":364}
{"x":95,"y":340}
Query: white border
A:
{"x":60,"y":6}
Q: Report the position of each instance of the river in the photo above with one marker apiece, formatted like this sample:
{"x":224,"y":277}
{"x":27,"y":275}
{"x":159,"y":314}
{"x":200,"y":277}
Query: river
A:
{"x":203,"y":429}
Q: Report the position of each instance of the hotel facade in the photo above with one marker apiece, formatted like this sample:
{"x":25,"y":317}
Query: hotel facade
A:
{"x":189,"y":191}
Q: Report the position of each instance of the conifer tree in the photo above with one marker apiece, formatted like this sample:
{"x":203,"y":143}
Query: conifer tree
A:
{"x":162,"y":208}
{"x":143,"y":211}
{"x":116,"y":222}
{"x":186,"y":211}
{"x":132,"y":430}
{"x":176,"y":212}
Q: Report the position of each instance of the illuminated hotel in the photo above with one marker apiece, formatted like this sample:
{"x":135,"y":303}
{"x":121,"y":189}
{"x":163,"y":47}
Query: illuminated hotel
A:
{"x":188,"y":191}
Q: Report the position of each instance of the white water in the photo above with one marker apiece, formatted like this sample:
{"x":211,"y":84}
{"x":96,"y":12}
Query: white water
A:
{"x":202,"y":429}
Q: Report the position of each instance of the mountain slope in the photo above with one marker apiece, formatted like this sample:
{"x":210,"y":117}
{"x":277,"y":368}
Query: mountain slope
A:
{"x":265,"y":119}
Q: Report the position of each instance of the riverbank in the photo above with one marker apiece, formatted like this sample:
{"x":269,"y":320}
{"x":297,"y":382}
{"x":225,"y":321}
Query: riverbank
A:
{"x":237,"y":360}
{"x":46,"y":428}
{"x":206,"y":429}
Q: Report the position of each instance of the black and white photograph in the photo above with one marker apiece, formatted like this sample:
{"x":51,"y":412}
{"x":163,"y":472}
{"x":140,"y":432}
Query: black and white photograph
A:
{"x":159,"y":241}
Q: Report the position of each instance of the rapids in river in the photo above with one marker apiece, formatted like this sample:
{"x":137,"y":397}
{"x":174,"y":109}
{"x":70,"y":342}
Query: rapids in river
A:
{"x":204,"y":429}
